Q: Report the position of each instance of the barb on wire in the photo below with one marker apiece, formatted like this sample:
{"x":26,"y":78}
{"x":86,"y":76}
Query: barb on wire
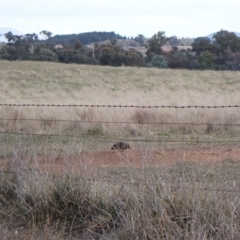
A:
{"x":113,"y":106}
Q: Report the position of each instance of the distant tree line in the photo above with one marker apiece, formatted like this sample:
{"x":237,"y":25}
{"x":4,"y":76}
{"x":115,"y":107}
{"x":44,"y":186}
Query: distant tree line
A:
{"x":30,"y":47}
{"x":85,"y":38}
{"x":222,"y":52}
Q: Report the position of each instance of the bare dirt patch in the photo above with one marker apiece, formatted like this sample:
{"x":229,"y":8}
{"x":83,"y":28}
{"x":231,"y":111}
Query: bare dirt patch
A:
{"x":137,"y":158}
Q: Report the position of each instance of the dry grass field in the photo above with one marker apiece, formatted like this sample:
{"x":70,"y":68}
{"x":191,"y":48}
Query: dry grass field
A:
{"x":60,"y":180}
{"x":41,"y":82}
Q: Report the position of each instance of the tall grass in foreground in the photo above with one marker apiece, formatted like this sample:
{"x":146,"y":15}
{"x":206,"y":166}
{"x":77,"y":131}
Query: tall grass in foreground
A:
{"x":182,"y":201}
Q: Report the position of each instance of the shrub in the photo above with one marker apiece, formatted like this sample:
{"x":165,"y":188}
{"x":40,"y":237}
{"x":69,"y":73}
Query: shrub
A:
{"x":106,"y":56}
{"x":133,"y":58}
{"x":159,"y":61}
{"x":180,"y":59}
{"x":10,"y":52}
{"x":5,"y":55}
{"x":232,"y":60}
{"x":46,"y":55}
{"x":119,"y":56}
{"x":73,"y":56}
{"x":206,"y":60}
{"x":95,"y":131}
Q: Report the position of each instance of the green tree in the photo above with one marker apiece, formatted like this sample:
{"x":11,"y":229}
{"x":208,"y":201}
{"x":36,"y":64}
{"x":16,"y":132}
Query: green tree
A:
{"x":119,"y":56}
{"x":30,"y":37}
{"x":24,"y":44}
{"x":85,"y":38}
{"x":46,"y":34}
{"x":180,"y":59}
{"x":46,"y":55}
{"x":225,"y":40}
{"x":159,"y":61}
{"x":77,"y":45}
{"x":10,"y":37}
{"x":133,"y":58}
{"x":155,"y":44}
{"x":8,"y":53}
{"x":140,"y":38}
{"x":106,"y":56}
{"x":206,"y":60}
{"x":73,"y":56}
{"x":231,"y":60}
{"x":202,"y":44}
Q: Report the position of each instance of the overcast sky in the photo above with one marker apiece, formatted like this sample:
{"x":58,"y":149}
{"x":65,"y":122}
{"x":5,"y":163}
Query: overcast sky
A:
{"x":183,"y":18}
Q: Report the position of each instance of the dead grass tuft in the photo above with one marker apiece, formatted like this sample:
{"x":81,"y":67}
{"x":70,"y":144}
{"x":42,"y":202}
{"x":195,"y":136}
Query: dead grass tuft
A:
{"x":122,"y":203}
{"x":142,"y":117}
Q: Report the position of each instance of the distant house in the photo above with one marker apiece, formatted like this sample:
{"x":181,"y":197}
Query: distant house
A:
{"x":58,"y":46}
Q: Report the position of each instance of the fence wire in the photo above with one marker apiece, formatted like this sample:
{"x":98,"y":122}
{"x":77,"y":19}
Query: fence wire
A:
{"x":179,"y":156}
{"x":115,"y":106}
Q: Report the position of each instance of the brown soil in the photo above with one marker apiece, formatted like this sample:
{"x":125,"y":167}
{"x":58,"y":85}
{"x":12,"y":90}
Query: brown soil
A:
{"x":134,"y":158}
{"x":138,"y":158}
{"x":143,"y":159}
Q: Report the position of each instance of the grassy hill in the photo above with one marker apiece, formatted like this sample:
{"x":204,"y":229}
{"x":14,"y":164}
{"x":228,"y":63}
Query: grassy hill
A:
{"x":59,"y":83}
{"x":54,"y":83}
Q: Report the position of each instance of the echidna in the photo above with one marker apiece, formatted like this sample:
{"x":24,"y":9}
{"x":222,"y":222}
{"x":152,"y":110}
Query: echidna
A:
{"x":120,"y":146}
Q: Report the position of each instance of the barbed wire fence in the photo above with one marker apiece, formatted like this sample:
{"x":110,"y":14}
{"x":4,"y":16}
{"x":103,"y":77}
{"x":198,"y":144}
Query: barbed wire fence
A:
{"x":115,"y":106}
{"x":92,"y":147}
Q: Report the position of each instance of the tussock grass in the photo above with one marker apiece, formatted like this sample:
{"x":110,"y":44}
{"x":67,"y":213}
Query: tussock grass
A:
{"x":184,"y":201}
{"x":136,"y":123}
